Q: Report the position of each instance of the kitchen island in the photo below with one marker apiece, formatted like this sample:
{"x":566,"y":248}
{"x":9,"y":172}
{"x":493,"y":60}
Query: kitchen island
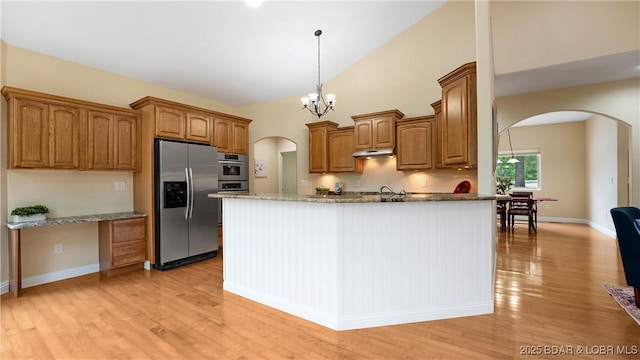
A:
{"x":354,"y":261}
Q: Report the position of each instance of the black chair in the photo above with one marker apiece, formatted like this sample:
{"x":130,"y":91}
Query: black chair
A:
{"x":629,"y":244}
{"x":522,"y":204}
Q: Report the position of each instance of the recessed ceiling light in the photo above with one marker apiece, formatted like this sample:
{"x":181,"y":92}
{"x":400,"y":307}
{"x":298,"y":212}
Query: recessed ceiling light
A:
{"x":253,"y":3}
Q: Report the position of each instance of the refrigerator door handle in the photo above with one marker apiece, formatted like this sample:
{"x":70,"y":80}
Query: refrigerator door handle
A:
{"x":189,"y":186}
{"x":192,"y":192}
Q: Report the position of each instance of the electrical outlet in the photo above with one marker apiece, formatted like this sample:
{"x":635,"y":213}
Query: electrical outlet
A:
{"x":57,"y":248}
{"x":357,"y":183}
{"x":119,"y":185}
{"x":424,"y":182}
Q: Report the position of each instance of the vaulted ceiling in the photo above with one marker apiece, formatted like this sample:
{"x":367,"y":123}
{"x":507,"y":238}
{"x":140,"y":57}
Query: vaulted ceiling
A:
{"x":238,"y":54}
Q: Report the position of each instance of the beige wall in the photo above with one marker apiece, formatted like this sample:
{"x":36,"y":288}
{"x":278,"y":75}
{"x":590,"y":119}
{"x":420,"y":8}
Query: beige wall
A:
{"x":624,"y":165}
{"x":602,"y":170}
{"x":563,"y":173}
{"x":533,"y":34}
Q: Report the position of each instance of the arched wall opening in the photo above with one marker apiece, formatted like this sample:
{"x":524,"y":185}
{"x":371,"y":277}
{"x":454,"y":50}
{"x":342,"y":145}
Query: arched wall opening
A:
{"x":275,"y":166}
{"x":585,"y":163}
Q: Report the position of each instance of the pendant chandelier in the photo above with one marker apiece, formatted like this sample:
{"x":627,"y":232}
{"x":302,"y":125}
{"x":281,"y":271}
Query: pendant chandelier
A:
{"x":513,"y":160}
{"x":316,"y":102}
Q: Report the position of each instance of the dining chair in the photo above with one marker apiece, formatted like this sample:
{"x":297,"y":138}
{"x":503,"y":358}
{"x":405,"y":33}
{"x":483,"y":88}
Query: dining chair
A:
{"x":629,"y":245}
{"x":501,"y":209}
{"x":522,"y":204}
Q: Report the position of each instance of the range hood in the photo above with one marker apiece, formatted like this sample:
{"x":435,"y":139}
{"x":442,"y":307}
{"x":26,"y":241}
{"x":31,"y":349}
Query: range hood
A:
{"x":374,"y":152}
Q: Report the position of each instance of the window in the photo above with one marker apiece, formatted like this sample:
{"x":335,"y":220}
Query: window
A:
{"x":525,"y":174}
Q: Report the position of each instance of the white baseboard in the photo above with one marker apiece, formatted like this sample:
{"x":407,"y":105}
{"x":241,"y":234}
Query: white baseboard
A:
{"x":562,"y":220}
{"x":53,"y":276}
{"x":593,"y":225}
{"x":602,"y":229}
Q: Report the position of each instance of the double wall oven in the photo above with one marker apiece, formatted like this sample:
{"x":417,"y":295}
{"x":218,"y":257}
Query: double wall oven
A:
{"x":233,"y":176}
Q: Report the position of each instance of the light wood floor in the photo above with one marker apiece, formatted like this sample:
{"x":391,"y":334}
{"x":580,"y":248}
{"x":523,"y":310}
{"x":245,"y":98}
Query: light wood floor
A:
{"x":548,"y":293}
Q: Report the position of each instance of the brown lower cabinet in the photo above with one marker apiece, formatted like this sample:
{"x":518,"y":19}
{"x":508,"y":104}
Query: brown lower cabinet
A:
{"x":122,"y":245}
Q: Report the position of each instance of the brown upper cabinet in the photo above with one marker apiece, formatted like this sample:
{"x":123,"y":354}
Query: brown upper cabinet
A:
{"x":415,"y":141}
{"x":331,"y":148}
{"x":199,"y":127}
{"x":42,"y":134}
{"x":376,"y":130}
{"x":341,"y":148}
{"x":457,"y":137}
{"x":48,"y":131}
{"x":111,"y":141}
{"x":319,"y":145}
{"x":231,"y":134}
{"x":172,"y":120}
{"x":180,"y":124}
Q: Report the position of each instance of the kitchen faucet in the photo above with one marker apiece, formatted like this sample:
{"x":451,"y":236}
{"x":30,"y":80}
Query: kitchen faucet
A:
{"x":396,"y":194}
{"x":401,"y":192}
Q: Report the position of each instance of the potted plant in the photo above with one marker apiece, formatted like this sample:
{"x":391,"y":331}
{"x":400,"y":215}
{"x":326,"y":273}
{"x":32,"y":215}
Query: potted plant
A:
{"x":503,"y":184}
{"x":29,"y":213}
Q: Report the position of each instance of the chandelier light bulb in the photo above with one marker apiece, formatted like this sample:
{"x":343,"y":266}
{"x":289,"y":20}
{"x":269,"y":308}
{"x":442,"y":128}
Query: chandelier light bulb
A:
{"x":331,"y":99}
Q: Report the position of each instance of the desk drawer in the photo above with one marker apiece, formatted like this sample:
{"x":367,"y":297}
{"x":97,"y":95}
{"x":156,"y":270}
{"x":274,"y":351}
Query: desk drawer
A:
{"x":128,"y":253}
{"x":128,"y":230}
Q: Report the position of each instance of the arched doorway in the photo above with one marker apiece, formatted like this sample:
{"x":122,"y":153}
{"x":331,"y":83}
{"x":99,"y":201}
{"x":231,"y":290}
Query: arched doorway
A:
{"x":584,"y":162}
{"x":275,"y":165}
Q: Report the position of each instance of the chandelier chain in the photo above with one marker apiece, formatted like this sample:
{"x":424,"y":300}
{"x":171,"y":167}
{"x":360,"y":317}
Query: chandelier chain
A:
{"x":319,"y":83}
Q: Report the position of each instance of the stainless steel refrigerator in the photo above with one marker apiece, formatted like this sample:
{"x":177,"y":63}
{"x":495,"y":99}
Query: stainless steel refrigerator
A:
{"x":186,"y":226}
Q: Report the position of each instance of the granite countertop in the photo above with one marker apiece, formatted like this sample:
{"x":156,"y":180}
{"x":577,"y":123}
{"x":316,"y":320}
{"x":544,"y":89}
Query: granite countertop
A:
{"x":74,"y":220}
{"x":356,"y":197}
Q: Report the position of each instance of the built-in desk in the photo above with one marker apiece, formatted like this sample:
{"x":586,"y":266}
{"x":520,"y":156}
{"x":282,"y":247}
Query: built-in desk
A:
{"x":15,"y":273}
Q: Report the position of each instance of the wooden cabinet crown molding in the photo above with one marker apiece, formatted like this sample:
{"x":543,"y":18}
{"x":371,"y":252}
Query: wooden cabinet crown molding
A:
{"x":163,"y":102}
{"x":414,"y":120}
{"x":11,"y":92}
{"x":395,"y":112}
{"x":460,"y":72}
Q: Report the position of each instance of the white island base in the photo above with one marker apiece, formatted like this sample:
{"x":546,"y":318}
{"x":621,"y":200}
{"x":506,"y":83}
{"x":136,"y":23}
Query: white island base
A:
{"x":362,"y":264}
